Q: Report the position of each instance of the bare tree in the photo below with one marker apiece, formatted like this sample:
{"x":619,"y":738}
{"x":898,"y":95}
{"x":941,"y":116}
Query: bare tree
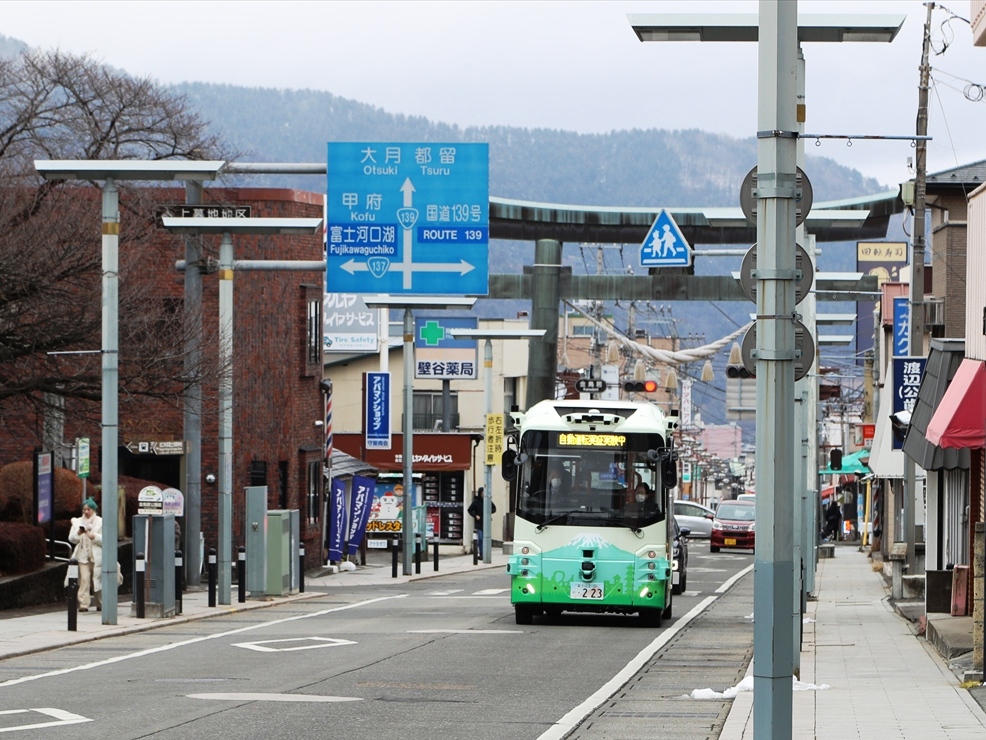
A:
{"x":60,"y":106}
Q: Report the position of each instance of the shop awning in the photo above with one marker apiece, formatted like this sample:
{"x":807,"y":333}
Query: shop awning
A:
{"x":943,"y":362}
{"x":960,"y":419}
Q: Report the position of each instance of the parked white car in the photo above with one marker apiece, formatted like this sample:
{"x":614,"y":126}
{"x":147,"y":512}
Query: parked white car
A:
{"x":696,"y":517}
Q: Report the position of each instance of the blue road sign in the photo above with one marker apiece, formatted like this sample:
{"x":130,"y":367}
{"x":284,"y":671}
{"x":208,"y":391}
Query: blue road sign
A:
{"x":408,"y":219}
{"x":665,"y":245}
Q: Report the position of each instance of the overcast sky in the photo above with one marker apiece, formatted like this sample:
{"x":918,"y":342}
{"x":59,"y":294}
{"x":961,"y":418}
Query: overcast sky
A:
{"x":574,"y":66}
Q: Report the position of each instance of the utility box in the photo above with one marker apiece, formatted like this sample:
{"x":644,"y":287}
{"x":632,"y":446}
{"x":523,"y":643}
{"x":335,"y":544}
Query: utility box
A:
{"x":255,"y":540}
{"x":154,"y":535}
{"x":278,"y":552}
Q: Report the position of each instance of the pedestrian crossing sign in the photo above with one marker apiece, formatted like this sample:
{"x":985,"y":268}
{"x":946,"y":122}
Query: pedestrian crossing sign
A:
{"x":665,"y":245}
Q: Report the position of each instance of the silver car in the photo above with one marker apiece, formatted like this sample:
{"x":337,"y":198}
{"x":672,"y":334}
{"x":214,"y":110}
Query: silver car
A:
{"x":696,"y":517}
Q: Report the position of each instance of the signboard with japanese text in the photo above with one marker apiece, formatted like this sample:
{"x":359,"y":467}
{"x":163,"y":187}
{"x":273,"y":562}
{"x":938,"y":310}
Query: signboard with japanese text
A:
{"x":908,"y":372}
{"x":359,"y":512}
{"x":337,"y":519}
{"x":173,"y":502}
{"x":377,"y":422}
{"x":440,"y":356}
{"x":83,"y":465}
{"x":494,"y":438}
{"x":885,"y":260}
{"x":902,"y":326}
{"x":206,"y":210}
{"x":349,"y":326}
{"x":150,"y":500}
{"x":407,"y":218}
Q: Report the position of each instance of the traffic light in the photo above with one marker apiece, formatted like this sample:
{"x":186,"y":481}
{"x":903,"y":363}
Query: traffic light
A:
{"x":738,"y":371}
{"x":835,"y":459}
{"x":640,"y":386}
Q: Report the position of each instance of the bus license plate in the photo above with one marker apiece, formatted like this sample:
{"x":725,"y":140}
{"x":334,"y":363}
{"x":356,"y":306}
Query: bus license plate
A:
{"x":729,"y":541}
{"x":586,"y":591}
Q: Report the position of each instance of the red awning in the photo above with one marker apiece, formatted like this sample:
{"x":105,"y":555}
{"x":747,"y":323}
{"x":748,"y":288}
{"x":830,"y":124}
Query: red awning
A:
{"x":960,"y":419}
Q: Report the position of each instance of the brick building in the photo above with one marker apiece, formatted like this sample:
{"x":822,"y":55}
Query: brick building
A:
{"x":277,"y":366}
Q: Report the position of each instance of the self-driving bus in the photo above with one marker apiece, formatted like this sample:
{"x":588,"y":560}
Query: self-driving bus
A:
{"x":593,"y":525}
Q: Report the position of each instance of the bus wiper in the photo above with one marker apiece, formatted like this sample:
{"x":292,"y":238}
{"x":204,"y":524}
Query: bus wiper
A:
{"x":553,"y":520}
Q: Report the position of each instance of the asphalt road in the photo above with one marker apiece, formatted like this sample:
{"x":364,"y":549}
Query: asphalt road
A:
{"x":437,"y":658}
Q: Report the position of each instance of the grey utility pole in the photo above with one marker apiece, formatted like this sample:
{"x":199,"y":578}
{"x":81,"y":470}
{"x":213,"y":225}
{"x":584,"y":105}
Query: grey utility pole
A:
{"x":777,"y":137}
{"x":915,"y":344}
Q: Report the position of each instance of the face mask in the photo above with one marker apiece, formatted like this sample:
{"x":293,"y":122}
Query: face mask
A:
{"x":555,"y":484}
{"x":640,"y":498}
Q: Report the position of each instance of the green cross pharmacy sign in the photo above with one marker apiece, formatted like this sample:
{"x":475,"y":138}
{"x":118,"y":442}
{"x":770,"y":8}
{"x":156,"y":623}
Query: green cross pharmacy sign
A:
{"x":438,"y":356}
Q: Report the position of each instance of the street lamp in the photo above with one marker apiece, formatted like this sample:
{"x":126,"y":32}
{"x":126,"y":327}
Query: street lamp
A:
{"x":780,"y":113}
{"x":109,"y":171}
{"x":409,"y":303}
{"x":489,"y":335}
{"x":227,"y":227}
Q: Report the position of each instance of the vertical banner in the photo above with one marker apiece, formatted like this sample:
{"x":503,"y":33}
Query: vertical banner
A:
{"x":377,"y":422}
{"x":359,"y":513}
{"x":686,"y":403}
{"x":908,"y":372}
{"x":337,"y":519}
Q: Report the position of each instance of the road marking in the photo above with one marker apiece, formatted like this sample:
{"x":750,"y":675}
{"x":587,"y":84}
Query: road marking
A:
{"x":490,"y":591}
{"x":61,"y":718}
{"x":320,"y":642}
{"x":274,"y":697}
{"x":194,"y":640}
{"x":445,"y":593}
{"x":465,"y":632}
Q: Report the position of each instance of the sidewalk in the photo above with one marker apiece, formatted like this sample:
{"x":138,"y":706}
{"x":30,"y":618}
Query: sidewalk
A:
{"x":885,"y":682}
{"x":24,"y":631}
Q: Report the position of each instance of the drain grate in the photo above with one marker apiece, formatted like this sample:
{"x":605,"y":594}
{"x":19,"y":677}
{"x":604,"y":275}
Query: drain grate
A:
{"x":655,"y":715}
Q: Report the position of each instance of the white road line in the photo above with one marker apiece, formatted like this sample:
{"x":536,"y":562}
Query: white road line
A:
{"x":60,"y":715}
{"x":490,"y":591}
{"x":445,"y":593}
{"x":465,"y":632}
{"x":314,"y":643}
{"x":571,"y":720}
{"x":274,"y":697}
{"x":194,"y":640}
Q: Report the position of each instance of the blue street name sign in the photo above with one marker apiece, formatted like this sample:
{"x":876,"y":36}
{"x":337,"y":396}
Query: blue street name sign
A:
{"x":408,"y":219}
{"x":665,"y":245}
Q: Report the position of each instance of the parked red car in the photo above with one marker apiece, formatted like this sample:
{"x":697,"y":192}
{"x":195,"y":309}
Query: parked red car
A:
{"x":734,"y":526}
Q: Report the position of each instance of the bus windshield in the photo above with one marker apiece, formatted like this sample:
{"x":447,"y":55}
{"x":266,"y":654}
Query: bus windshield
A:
{"x":591,"y":479}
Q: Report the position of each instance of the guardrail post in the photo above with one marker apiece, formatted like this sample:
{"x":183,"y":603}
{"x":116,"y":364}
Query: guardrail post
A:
{"x":393,"y":563}
{"x":241,"y":573}
{"x":301,"y":568}
{"x":139,"y":585}
{"x":475,"y":548}
{"x":179,"y":574}
{"x":212,"y":576}
{"x":72,"y":600}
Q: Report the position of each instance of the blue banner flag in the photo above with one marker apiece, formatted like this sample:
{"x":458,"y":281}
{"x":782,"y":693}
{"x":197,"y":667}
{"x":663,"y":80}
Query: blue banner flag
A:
{"x":359,"y":512}
{"x":337,"y":521}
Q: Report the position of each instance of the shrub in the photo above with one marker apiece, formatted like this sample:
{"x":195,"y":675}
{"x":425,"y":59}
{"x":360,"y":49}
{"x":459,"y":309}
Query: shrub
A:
{"x":17,"y":493}
{"x":22,"y":548}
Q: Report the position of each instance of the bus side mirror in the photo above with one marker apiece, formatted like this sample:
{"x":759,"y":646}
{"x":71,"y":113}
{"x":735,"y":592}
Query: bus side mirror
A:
{"x":508,"y":465}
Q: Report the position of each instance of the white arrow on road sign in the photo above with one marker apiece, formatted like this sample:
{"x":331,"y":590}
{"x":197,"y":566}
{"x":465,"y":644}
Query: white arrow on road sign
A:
{"x":665,"y":245}
{"x":352,"y":267}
